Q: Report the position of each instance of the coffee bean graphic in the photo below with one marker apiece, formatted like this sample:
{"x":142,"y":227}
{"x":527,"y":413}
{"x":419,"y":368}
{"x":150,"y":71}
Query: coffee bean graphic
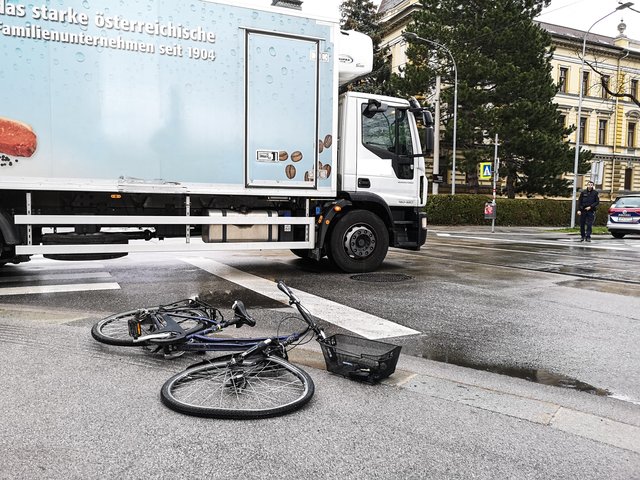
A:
{"x":290,"y":170}
{"x":320,"y":146}
{"x":327,"y":168}
{"x":328,"y":140}
{"x":283,"y":156}
{"x":296,"y":156}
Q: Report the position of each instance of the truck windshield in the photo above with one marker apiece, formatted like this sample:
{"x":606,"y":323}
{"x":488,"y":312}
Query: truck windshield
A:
{"x":388,"y":135}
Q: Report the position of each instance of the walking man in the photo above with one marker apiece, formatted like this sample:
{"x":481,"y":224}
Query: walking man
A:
{"x":587,"y":204}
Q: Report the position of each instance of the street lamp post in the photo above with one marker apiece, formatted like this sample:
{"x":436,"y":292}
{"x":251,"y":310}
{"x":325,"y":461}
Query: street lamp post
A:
{"x":580,"y":96}
{"x":410,"y":36}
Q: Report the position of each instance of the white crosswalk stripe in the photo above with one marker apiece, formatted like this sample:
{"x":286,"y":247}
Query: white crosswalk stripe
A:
{"x":596,"y":244}
{"x":76,"y":287}
{"x":28,"y":279}
{"x":357,"y":321}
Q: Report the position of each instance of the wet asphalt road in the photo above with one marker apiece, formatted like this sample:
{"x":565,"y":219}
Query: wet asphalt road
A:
{"x":527,"y":304}
{"x":524,"y":304}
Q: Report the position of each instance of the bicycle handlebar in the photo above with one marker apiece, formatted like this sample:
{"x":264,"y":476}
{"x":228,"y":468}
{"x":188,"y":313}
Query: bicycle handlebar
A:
{"x":306,"y":315}
{"x":287,"y":291}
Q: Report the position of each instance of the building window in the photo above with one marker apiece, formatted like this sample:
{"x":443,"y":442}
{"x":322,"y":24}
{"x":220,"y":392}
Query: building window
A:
{"x":602,"y":132}
{"x":562,"y":79}
{"x":597,"y":171}
{"x":631,"y":135}
{"x":563,"y":120}
{"x":633,"y":89}
{"x":585,"y":83}
{"x":583,"y":129}
{"x":605,"y":85}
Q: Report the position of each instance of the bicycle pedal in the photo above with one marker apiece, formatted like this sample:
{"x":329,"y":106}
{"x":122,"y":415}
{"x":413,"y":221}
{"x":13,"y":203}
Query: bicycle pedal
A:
{"x":135,"y":330}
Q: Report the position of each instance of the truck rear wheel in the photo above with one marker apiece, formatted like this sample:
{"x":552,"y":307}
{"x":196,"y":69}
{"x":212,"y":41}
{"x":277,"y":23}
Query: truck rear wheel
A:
{"x":84,"y":239}
{"x":358,"y":242}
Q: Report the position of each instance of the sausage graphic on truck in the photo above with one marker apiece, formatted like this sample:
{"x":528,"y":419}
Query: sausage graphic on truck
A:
{"x":219,"y":124}
{"x":16,"y":138}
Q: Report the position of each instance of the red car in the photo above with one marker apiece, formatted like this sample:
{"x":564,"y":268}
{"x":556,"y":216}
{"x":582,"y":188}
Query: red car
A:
{"x":624,"y":216}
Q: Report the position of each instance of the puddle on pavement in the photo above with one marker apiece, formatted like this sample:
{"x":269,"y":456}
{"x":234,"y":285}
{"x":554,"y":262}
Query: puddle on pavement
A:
{"x":381,"y":277}
{"x":615,"y":287}
{"x":224,"y":298}
{"x":543,"y":377}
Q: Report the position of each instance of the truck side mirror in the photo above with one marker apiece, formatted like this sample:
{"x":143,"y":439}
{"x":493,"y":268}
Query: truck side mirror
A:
{"x":373,"y":107}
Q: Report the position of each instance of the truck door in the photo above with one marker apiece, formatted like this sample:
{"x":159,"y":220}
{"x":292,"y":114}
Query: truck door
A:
{"x":386,"y":165}
{"x":281,"y":110}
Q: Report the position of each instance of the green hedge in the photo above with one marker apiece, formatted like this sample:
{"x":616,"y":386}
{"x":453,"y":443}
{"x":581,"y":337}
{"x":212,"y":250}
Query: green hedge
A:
{"x":464,"y":209}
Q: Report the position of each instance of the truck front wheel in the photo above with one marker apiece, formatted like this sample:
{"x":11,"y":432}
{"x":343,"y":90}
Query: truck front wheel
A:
{"x":358,"y":242}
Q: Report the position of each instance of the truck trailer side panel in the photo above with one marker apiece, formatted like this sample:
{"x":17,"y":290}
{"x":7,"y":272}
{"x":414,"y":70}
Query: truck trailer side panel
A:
{"x":183,"y":96}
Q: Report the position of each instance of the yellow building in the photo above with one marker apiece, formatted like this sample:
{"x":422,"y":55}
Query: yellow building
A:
{"x":610,"y":125}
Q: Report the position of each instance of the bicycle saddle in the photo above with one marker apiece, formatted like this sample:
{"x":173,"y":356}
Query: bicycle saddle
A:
{"x":241,"y":315}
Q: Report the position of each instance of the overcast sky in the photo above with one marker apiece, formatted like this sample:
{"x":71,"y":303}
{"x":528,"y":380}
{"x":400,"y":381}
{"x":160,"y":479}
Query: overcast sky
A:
{"x":579,"y":14}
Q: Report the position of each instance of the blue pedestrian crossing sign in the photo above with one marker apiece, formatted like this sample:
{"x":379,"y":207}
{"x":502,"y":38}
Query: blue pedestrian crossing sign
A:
{"x":486,"y":171}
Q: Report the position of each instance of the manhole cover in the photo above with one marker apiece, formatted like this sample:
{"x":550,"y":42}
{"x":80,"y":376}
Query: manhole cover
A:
{"x":381,"y":277}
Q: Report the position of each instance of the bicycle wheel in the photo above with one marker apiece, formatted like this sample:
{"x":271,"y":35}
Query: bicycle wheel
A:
{"x":263,"y":386}
{"x":114,"y":330}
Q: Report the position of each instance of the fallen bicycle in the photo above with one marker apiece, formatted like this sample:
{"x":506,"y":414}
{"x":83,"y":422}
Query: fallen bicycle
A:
{"x":257,"y":380}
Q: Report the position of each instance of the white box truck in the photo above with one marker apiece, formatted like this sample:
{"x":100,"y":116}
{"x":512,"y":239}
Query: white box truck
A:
{"x":123,"y":124}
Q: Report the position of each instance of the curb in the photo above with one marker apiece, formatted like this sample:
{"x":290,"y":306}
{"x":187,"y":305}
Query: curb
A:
{"x":544,"y":412}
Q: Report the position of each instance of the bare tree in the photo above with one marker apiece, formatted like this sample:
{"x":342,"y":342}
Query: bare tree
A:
{"x":606,"y":87}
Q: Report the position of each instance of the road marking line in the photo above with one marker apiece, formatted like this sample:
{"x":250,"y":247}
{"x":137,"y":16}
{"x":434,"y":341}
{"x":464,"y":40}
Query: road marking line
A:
{"x":40,"y":266}
{"x":54,"y":276}
{"x":540,"y":242}
{"x":364,"y":324}
{"x":40,"y":261}
{"x":77,"y":287}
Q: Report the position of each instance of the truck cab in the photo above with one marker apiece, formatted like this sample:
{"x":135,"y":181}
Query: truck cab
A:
{"x":381,"y":182}
{"x":379,"y":150}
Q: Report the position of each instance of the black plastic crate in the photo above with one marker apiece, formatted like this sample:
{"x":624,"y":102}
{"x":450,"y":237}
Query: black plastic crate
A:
{"x":359,"y":358}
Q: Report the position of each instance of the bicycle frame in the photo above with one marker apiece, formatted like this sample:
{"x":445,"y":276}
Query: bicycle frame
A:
{"x":200,"y":340}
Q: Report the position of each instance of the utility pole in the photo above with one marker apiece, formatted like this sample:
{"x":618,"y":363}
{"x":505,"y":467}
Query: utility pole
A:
{"x":410,"y":36}
{"x":436,"y":138}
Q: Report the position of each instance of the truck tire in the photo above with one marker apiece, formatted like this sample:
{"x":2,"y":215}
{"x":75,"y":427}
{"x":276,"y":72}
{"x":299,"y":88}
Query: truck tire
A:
{"x":358,"y":242}
{"x":84,"y":239}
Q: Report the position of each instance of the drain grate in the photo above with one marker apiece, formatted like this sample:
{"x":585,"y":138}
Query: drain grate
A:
{"x":381,"y":277}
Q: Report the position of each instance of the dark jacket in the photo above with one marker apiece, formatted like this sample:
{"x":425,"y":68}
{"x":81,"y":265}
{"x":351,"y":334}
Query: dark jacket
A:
{"x":588,"y":199}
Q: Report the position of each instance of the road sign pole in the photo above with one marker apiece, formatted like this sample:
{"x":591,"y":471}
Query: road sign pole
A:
{"x":496,"y":166}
